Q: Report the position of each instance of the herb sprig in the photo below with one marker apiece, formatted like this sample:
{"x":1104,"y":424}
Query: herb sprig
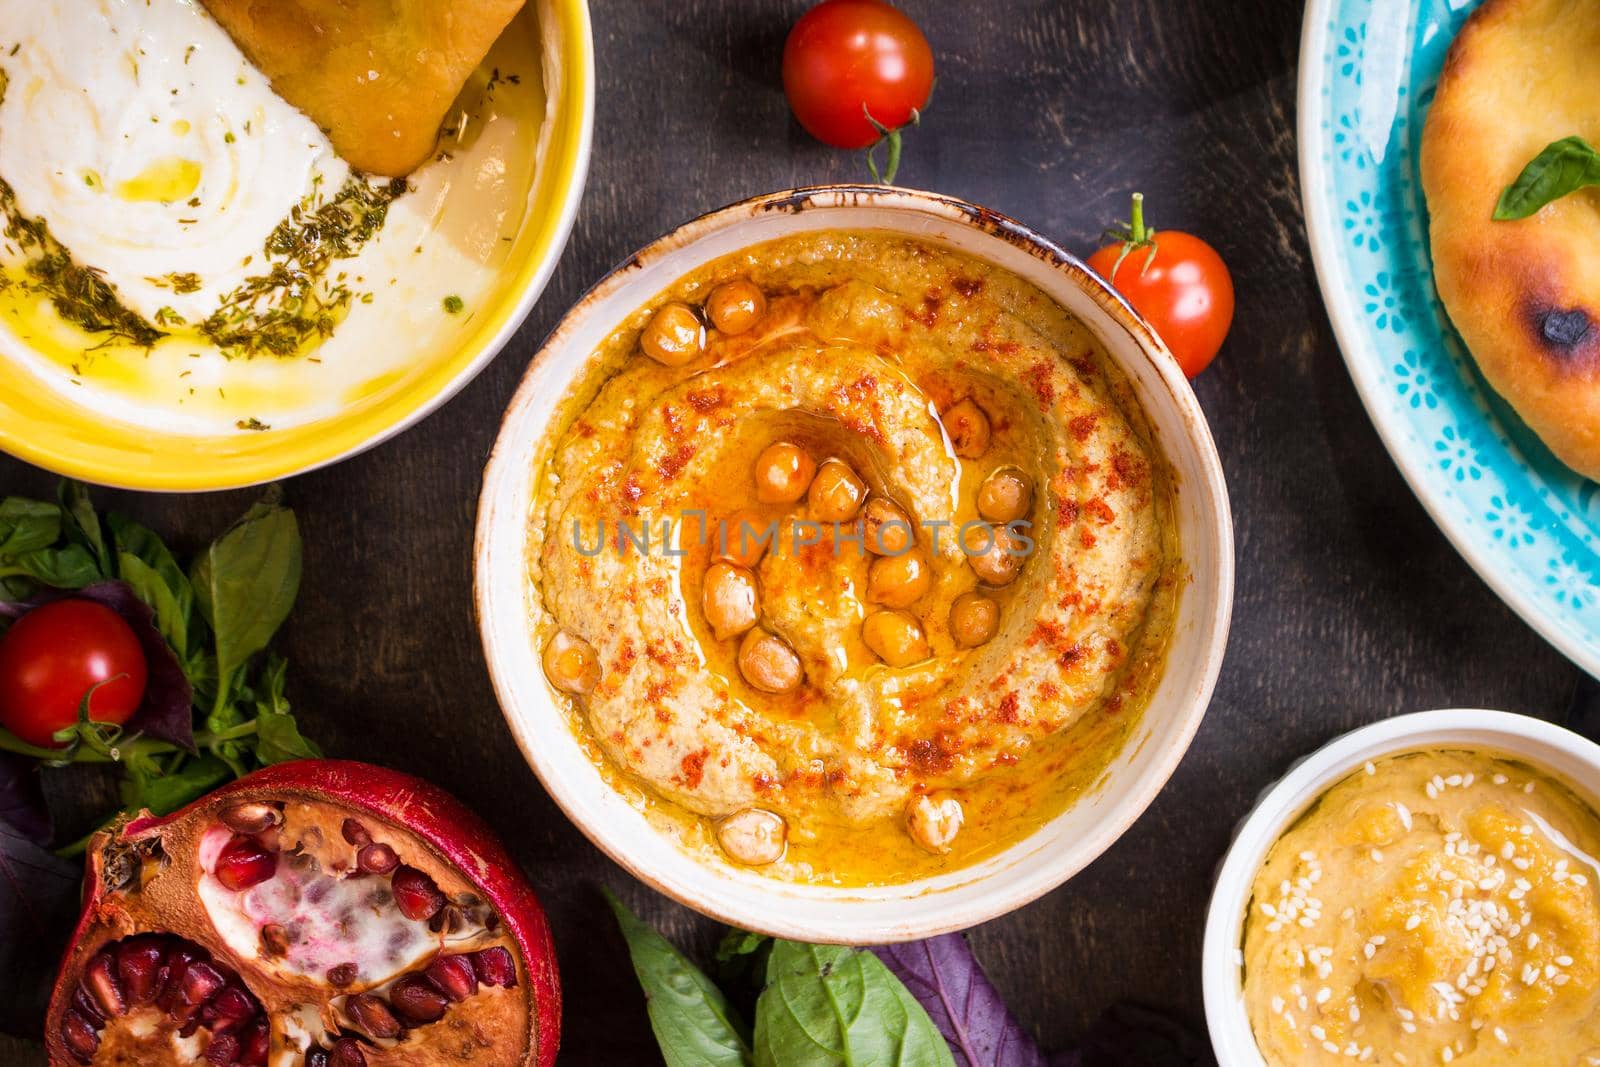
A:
{"x":214,"y":706}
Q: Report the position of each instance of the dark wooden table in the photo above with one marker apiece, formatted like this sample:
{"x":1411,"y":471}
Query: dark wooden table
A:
{"x":1350,"y":606}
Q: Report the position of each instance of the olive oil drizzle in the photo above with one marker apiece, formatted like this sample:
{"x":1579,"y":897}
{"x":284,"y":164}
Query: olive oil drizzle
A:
{"x":281,"y":313}
{"x":80,"y":295}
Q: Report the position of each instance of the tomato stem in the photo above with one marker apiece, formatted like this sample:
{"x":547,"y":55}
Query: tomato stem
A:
{"x":1135,"y":235}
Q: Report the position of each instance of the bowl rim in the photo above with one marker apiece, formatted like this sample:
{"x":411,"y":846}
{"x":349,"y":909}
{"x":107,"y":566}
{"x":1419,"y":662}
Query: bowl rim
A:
{"x":500,"y":470}
{"x":1306,"y":780}
{"x":570,"y":115}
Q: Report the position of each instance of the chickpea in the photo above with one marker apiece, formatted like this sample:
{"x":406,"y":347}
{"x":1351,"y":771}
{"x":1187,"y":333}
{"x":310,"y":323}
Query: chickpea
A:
{"x":754,"y":837}
{"x":674,"y":335}
{"x":783,"y":473}
{"x":895,"y":637}
{"x":744,"y":538}
{"x":1006,"y":495}
{"x":729,"y":600}
{"x":836,"y":493}
{"x":934,"y":824}
{"x":994,"y":553}
{"x":974,"y":619}
{"x":887,"y":529}
{"x":768,"y":663}
{"x":968,"y":428}
{"x":899,"y":581}
{"x":571,"y":663}
{"x":733,"y":307}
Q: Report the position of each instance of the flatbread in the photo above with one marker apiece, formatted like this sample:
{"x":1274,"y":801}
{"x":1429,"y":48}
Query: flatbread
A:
{"x":1524,"y":295}
{"x":378,"y":75}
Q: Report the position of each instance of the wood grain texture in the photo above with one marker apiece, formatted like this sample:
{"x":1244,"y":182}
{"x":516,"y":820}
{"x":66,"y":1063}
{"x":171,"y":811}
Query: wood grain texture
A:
{"x":1351,"y":606}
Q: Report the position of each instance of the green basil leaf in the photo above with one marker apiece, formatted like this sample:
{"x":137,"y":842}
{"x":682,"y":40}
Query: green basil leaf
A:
{"x":278,"y":739}
{"x":1564,"y":167}
{"x":831,"y":1006}
{"x":246,"y":581}
{"x":82,"y":524}
{"x":26,"y":525}
{"x":71,"y":567}
{"x":171,"y":617}
{"x":693,"y":1022}
{"x":143,"y":561}
{"x":166,"y":793}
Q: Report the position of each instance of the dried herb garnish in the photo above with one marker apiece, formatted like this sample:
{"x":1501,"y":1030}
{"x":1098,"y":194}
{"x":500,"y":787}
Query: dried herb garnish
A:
{"x":280,"y":312}
{"x":80,"y":295}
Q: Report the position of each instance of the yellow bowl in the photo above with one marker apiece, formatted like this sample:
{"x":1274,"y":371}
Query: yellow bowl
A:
{"x":40,"y":424}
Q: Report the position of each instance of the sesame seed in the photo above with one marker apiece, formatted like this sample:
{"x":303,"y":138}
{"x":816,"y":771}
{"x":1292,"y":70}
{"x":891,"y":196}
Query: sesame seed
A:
{"x":1370,"y":769}
{"x":1413,"y":922}
{"x":1500,"y":1036}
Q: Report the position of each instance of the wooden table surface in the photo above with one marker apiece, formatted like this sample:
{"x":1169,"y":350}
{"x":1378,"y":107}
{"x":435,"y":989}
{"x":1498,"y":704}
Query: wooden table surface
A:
{"x":1350,"y":604}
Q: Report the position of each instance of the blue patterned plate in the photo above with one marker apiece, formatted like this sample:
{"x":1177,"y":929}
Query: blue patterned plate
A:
{"x":1527,"y":524}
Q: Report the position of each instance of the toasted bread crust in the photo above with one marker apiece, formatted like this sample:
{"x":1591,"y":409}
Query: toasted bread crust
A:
{"x":378,"y":75}
{"x":1524,"y":295}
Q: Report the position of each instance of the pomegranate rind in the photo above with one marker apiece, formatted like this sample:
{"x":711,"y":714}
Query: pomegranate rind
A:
{"x":459,"y":836}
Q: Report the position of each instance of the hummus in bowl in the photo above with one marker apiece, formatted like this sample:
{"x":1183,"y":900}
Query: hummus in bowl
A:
{"x":198,"y":291}
{"x":1425,"y":890}
{"x":848,"y":556}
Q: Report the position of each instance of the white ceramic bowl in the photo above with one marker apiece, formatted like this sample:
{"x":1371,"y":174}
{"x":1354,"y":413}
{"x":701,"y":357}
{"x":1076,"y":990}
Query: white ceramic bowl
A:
{"x":953,"y":900}
{"x":1551,"y":748}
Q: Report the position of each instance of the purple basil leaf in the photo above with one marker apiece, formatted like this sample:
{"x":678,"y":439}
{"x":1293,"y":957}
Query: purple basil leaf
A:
{"x":945,"y":977}
{"x":22,"y":798}
{"x":38,"y":905}
{"x":167,"y":711}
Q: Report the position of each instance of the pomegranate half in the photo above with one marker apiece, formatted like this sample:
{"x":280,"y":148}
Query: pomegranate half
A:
{"x":320,"y":913}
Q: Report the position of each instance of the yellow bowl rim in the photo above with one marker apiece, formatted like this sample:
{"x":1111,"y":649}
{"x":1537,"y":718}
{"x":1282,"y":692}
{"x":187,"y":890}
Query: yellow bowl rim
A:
{"x":68,"y":448}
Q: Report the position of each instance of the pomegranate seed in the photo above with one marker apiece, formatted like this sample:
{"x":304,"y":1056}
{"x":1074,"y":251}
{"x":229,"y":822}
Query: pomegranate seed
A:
{"x":415,"y":1001}
{"x":274,"y":940}
{"x":224,"y":1049}
{"x":342,"y":975}
{"x":372,"y":1016}
{"x":250,"y":818}
{"x":495,"y":966}
{"x":139,"y":962}
{"x":355,"y":834}
{"x":377,"y":859}
{"x":347,"y":1053}
{"x":233,"y":1003}
{"x":172,"y":985}
{"x":257,"y":1043}
{"x":316,"y":1057}
{"x":453,"y":976}
{"x":80,"y":1036}
{"x":201,"y":982}
{"x":100,"y":976}
{"x":84,"y":1003}
{"x":243,"y":863}
{"x":416,"y":894}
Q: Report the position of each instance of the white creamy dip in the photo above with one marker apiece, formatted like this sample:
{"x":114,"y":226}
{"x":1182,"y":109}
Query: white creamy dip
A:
{"x":158,"y":155}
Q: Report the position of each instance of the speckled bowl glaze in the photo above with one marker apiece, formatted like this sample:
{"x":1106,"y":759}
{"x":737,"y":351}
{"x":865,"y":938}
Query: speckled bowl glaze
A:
{"x":955,"y":899}
{"x":1550,"y":748}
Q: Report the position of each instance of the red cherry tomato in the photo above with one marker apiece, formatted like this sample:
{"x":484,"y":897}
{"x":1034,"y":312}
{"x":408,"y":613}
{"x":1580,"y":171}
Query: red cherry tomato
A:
{"x":55,"y":654}
{"x":844,"y":54}
{"x":1184,"y":290}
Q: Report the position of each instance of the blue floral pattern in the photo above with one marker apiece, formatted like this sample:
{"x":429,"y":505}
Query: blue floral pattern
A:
{"x":1526,"y":522}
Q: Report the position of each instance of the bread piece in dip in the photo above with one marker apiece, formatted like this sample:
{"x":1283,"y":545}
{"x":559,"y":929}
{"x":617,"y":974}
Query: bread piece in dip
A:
{"x":377,"y":75}
{"x":1434,"y":907}
{"x":963,"y":575}
{"x":187,"y":251}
